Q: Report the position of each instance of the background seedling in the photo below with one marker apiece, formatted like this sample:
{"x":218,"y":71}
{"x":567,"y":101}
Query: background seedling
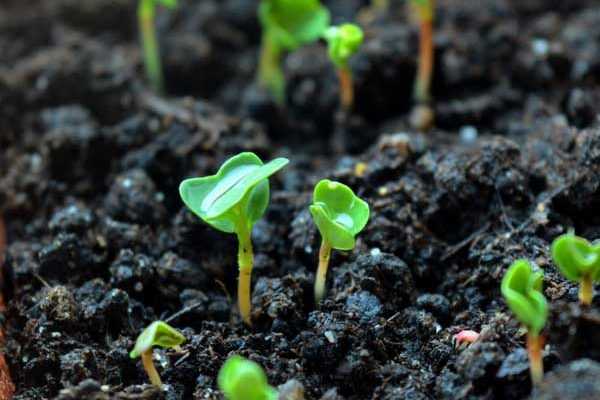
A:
{"x":231,"y":201}
{"x":339,"y":215}
{"x":343,"y":42}
{"x":522,"y":290}
{"x":287,"y":24}
{"x":422,"y":116}
{"x":152,"y":63}
{"x":159,"y":334}
{"x":579,"y":261}
{"x":242,"y":379}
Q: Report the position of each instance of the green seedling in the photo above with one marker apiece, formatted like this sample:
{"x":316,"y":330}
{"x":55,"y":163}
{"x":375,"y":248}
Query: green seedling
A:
{"x":152,"y":63}
{"x":242,"y":379}
{"x":158,"y":334}
{"x":232,"y":201}
{"x":522,"y":290}
{"x":339,"y":215}
{"x":287,"y":25}
{"x":343,"y":42}
{"x":423,"y":114}
{"x":579,"y":261}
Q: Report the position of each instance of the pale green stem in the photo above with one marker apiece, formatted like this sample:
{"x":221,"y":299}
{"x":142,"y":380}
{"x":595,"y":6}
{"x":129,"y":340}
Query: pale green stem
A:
{"x":270,"y":75}
{"x":152,"y":62}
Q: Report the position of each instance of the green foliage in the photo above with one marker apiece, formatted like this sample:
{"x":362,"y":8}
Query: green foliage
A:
{"x":242,"y":379}
{"x":338,"y":213}
{"x":522,"y":290}
{"x":343,"y":42}
{"x":236,"y":196}
{"x":576,"y":257}
{"x":146,"y":7}
{"x":292,"y":23}
{"x":159,"y":334}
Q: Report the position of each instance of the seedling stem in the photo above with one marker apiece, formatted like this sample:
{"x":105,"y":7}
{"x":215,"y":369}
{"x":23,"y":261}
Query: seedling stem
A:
{"x":245,"y":263}
{"x":270,"y":75}
{"x":535,"y":344}
{"x":425,"y":71}
{"x":586,"y":290}
{"x":324,"y":255}
{"x":152,"y":64}
{"x":346,"y":88}
{"x":150,"y":368}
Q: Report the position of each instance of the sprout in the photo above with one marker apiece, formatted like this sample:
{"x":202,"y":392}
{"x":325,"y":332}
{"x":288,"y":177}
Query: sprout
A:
{"x":242,"y":379}
{"x":232,"y":201}
{"x":287,"y":24}
{"x":422,"y":116}
{"x":344,"y":41}
{"x":146,"y":13}
{"x":339,"y":215}
{"x":159,"y":334}
{"x":579,"y":261}
{"x":522,"y":290}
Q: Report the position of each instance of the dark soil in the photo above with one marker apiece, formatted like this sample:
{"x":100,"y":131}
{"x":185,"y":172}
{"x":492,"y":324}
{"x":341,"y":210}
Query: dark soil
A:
{"x":100,"y":245}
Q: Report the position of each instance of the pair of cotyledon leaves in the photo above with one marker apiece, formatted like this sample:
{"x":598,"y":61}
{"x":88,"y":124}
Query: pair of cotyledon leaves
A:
{"x":576,"y":257}
{"x":242,"y":379}
{"x":239,"y":194}
{"x":158,"y":334}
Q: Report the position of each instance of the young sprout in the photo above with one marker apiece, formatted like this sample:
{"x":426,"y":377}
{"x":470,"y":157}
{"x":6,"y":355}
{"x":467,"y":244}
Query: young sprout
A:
{"x":231,"y":201}
{"x":146,"y":13}
{"x":287,"y":24}
{"x":339,"y":215}
{"x":579,"y":261}
{"x":159,"y":334}
{"x":522,"y":290}
{"x":422,"y":116}
{"x":343,"y":41}
{"x":242,"y":379}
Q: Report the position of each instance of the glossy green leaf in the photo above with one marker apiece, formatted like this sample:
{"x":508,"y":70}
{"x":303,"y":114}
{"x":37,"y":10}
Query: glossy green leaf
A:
{"x":343,"y":42}
{"x":238,"y":193}
{"x":338,"y":213}
{"x":158,"y":334}
{"x":576,"y":257}
{"x":522,"y":290}
{"x":242,"y":379}
{"x":292,"y":23}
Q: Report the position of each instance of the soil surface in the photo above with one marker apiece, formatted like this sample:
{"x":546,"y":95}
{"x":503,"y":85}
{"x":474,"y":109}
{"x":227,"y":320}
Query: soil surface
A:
{"x":99,"y":243}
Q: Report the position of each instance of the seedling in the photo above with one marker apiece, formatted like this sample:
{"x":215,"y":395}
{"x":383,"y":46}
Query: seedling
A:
{"x":579,"y":261}
{"x":152,"y":63}
{"x":344,"y":41}
{"x":522,"y":290}
{"x":339,"y":215}
{"x":159,"y":334}
{"x":287,"y":25}
{"x":422,"y":114}
{"x":231,"y":201}
{"x":242,"y":379}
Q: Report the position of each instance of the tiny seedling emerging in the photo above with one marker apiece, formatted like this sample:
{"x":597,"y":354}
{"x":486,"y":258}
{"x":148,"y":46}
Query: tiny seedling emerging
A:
{"x":422,"y":114}
{"x":339,"y":215}
{"x":159,"y":334}
{"x":522,"y":290}
{"x":579,"y":261}
{"x":152,"y":63}
{"x":287,"y":24}
{"x":242,"y":379}
{"x":231,"y":201}
{"x":343,"y":42}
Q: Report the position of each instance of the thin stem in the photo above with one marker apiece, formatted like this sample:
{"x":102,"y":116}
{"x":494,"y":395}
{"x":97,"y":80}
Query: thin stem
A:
{"x":425,"y":71}
{"x":150,"y":368}
{"x":535,"y":344}
{"x":245,"y":263}
{"x":346,"y":88}
{"x":270,"y":75}
{"x":320,"y":279}
{"x":152,"y":62}
{"x":586,"y":290}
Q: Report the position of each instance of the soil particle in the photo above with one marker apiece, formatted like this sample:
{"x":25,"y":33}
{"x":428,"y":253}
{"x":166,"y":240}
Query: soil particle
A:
{"x":575,"y":380}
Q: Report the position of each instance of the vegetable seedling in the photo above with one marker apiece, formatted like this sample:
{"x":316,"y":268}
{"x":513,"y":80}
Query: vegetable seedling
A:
{"x":339,"y":215}
{"x":343,"y":42}
{"x":231,"y":201}
{"x":146,"y":13}
{"x":579,"y":261}
{"x":522,"y":290}
{"x":422,"y":114}
{"x":242,"y":379}
{"x":287,"y":25}
{"x":159,"y":334}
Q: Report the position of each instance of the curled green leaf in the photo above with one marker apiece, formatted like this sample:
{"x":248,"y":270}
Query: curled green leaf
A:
{"x":158,"y":334}
{"x":576,"y":257}
{"x":343,"y":42}
{"x":242,"y":379}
